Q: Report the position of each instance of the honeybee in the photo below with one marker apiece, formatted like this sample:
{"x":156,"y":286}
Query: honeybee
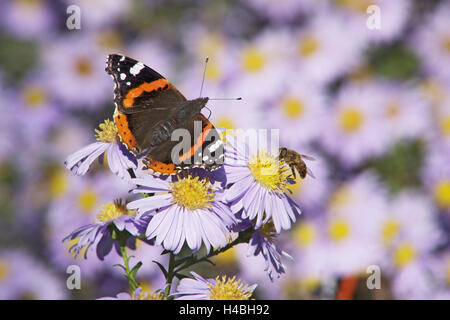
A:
{"x":295,"y":162}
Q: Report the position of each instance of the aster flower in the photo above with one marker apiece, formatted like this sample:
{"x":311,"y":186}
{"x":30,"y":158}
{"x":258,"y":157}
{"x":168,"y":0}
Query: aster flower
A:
{"x":299,"y":109}
{"x":138,"y":294}
{"x":119,"y":159}
{"x":213,"y":289}
{"x":432,"y":42}
{"x":323,"y":34}
{"x":356,"y":125}
{"x":262,"y":243}
{"x":99,"y":234}
{"x":259,"y":185}
{"x":24,"y":277}
{"x":77,"y":78}
{"x":37,"y":14}
{"x":184,"y":208}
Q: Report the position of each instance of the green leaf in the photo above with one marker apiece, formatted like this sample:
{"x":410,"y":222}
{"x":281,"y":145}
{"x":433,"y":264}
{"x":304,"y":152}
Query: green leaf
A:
{"x":164,"y":271}
{"x":394,"y":61}
{"x":135,"y":269}
{"x":119,"y":265}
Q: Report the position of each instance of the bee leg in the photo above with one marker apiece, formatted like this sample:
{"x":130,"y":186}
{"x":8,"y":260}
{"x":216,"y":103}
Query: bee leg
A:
{"x":293,"y":173}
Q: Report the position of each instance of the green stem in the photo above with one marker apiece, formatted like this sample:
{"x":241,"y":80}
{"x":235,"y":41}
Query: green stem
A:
{"x":170,"y":274}
{"x":243,"y":237}
{"x":131,"y":281}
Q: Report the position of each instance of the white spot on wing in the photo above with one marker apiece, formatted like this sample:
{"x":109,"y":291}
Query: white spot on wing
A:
{"x":123,"y":76}
{"x":134,"y":70}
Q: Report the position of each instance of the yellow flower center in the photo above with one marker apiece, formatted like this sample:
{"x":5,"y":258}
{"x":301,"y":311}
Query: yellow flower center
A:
{"x":340,"y":198}
{"x":145,"y":295}
{"x":339,"y":230}
{"x":269,"y":172}
{"x":447,"y":272}
{"x":227,"y":258}
{"x":253,"y":60}
{"x":229,"y":289}
{"x":446,"y":44}
{"x":404,"y":254}
{"x":57,"y":184}
{"x":442,"y":194}
{"x":354,"y":5}
{"x":29,"y":4}
{"x":193,"y":193}
{"x":213,"y":71}
{"x":35,"y":97}
{"x":351,"y":120}
{"x":107,"y":131}
{"x":113,"y":211}
{"x":4,"y":270}
{"x":390,"y":229}
{"x":87,"y":200}
{"x":308,"y":46}
{"x":434,"y":91}
{"x":300,"y":289}
{"x":310,"y":284}
{"x":210,"y":45}
{"x":293,"y":108}
{"x":392,"y":110}
{"x":444,"y":124}
{"x":305,"y":234}
{"x":83,"y":67}
{"x":110,"y":40}
{"x":225,"y":122}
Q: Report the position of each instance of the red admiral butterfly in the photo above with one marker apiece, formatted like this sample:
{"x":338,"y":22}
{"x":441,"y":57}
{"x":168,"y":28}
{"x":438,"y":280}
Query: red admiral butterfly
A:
{"x":149,"y":109}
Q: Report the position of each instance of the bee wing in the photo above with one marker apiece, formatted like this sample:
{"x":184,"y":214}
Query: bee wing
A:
{"x":310,"y":173}
{"x":308,"y":157}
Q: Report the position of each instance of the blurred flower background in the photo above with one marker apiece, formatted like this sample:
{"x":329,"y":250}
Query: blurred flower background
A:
{"x":371,"y":105}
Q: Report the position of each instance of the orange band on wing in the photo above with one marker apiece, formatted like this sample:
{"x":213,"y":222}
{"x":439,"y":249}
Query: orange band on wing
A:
{"x":159,"y":84}
{"x":197,"y":144}
{"x":124,"y":131}
{"x":161,"y":167}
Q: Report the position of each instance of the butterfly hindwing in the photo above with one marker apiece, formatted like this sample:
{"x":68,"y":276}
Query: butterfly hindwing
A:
{"x":204,"y":149}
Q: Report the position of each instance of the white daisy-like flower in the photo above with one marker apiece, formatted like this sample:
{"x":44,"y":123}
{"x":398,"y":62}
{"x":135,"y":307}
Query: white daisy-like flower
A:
{"x":408,"y":229}
{"x":351,"y":238}
{"x":393,"y":16}
{"x":405,"y":112}
{"x":355,"y":128}
{"x":436,"y":174}
{"x":298,"y":111}
{"x":413,"y":283}
{"x":261,"y":66}
{"x":311,"y":256}
{"x":432,"y":42}
{"x":100,"y":13}
{"x":76,"y":77}
{"x":442,"y":123}
{"x":27,"y":18}
{"x":321,"y":49}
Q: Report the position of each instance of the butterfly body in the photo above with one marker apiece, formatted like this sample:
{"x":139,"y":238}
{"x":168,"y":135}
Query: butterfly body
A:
{"x":149,"y":109}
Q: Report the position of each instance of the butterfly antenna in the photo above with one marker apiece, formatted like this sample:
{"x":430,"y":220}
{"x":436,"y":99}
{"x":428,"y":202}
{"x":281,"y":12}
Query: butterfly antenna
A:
{"x":210,"y":112}
{"x":226,"y":98}
{"x":203,"y":78}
